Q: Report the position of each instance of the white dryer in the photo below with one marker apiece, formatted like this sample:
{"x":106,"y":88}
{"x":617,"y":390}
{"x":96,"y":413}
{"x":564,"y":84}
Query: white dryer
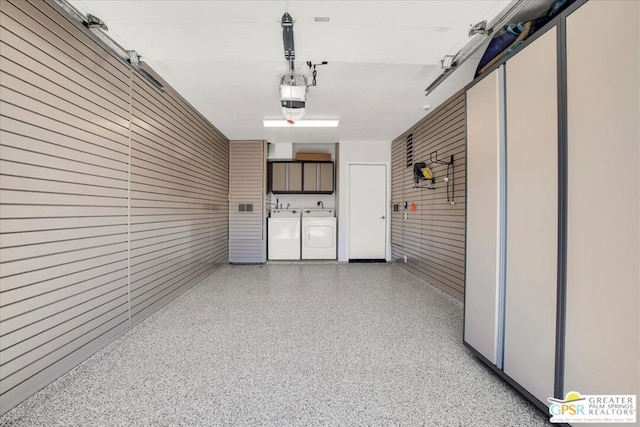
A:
{"x":319,"y":234}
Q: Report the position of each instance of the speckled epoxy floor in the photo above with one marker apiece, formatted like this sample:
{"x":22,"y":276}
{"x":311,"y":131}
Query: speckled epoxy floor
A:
{"x":288,"y":345}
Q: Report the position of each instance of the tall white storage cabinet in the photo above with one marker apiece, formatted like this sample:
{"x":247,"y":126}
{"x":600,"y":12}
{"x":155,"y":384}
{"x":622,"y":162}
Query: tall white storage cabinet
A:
{"x":558,"y":310}
{"x":532,"y":216}
{"x":484,"y":198}
{"x":603,"y":255}
{"x":512,"y":213}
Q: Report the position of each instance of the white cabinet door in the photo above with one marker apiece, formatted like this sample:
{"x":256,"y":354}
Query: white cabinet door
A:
{"x":482,"y":311}
{"x":327,"y":177}
{"x":603,"y":236}
{"x":532,"y":216}
{"x":310,"y":177}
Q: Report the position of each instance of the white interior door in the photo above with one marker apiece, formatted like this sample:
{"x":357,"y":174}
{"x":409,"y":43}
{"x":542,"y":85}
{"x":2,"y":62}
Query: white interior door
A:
{"x":367,"y":211}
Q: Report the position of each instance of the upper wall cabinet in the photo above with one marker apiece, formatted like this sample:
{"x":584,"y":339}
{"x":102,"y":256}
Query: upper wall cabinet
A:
{"x":318,"y":177}
{"x":286,"y":177}
{"x":302,"y":177}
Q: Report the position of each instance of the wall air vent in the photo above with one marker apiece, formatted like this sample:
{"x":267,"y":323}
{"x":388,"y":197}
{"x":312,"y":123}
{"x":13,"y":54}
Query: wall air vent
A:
{"x":409,"y":145}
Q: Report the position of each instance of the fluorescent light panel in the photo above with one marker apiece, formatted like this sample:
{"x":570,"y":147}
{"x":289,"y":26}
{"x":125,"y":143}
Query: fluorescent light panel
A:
{"x":301,"y":124}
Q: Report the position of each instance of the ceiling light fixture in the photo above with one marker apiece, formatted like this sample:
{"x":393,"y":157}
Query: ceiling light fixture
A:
{"x":301,"y":124}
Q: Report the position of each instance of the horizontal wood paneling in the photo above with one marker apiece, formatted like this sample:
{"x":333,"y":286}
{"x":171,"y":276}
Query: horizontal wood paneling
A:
{"x":246,"y":251}
{"x":247,"y":166}
{"x":398,"y":163}
{"x":113,"y":197}
{"x":433,"y":237}
{"x":172,"y":188}
{"x":63,"y":192}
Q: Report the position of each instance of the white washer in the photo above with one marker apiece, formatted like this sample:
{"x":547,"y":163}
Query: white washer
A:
{"x":284,"y":234}
{"x":318,"y":234}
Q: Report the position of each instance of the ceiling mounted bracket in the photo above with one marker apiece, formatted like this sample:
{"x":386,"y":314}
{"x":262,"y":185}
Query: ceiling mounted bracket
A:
{"x":287,"y":40}
{"x":448,"y":62}
{"x":479,"y":28}
{"x":95,"y":22}
{"x":314,"y":72}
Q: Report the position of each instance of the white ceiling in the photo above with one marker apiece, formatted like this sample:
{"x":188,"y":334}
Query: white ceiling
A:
{"x":226,"y":57}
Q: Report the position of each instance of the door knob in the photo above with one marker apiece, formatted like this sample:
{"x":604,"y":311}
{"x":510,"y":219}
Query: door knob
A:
{"x":382,"y":217}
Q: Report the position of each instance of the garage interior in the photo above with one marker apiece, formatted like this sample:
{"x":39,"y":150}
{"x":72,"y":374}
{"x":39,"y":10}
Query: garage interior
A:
{"x":385,"y":225}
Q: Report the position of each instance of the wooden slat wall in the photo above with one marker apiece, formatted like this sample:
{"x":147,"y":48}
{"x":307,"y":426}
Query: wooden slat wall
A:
{"x":411,"y":232}
{"x":63,"y":211}
{"x":171,"y":196}
{"x":65,"y":105}
{"x":432,"y":238}
{"x":397,"y":169}
{"x":247,"y":161}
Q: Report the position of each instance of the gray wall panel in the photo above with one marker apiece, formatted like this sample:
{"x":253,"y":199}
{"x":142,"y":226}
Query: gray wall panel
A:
{"x":22,"y":66}
{"x":66,"y":31}
{"x":55,"y":38}
{"x":247,"y":168}
{"x":60,"y":330}
{"x":67,"y":359}
{"x":63,"y":271}
{"x":168,"y":293}
{"x":99,"y":171}
{"x":54,"y":132}
{"x":397,"y":165}
{"x":432,"y":238}
{"x":172,"y":161}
